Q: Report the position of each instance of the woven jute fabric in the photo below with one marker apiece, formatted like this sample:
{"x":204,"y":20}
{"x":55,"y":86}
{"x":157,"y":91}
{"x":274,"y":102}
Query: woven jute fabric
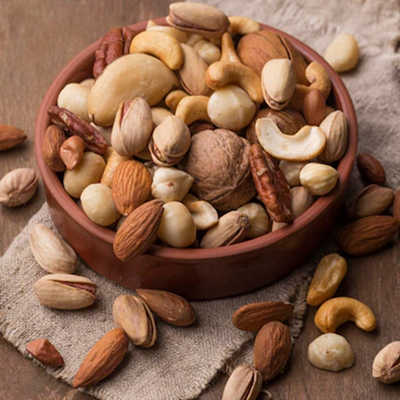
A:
{"x":185,"y":360}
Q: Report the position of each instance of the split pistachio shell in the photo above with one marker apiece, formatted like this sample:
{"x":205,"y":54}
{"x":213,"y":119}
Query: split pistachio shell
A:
{"x":331,"y":352}
{"x":73,"y":97}
{"x":65,"y":291}
{"x":318,"y":179}
{"x":231,"y":108}
{"x":170,"y":141}
{"x":343,"y":53}
{"x":306,"y":144}
{"x":258,"y":217}
{"x":132,"y":127}
{"x":18,"y":187}
{"x":88,"y":171}
{"x":278,"y":82}
{"x":231,"y":228}
{"x":386,"y":365}
{"x":152,"y":80}
{"x":170,"y":184}
{"x":51,"y":252}
{"x":204,"y":214}
{"x":244,"y":384}
{"x":132,"y":314}
{"x":177,"y":227}
{"x":291,"y":170}
{"x":98,"y":204}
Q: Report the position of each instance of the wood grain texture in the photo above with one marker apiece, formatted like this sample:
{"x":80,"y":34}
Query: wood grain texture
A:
{"x":37,"y":38}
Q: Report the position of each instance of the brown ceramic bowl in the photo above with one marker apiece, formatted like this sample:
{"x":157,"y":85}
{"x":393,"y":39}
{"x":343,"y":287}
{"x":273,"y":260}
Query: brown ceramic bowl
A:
{"x":196,"y":273}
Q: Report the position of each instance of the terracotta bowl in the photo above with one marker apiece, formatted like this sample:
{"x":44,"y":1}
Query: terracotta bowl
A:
{"x":196,"y":273}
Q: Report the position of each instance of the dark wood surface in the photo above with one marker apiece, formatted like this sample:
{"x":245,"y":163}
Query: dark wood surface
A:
{"x":37,"y":38}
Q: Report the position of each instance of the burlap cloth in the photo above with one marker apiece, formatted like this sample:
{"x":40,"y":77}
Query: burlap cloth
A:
{"x":184,"y":361}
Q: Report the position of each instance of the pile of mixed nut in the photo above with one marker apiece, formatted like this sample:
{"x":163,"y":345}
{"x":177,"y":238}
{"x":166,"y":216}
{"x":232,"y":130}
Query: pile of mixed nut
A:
{"x":204,"y":133}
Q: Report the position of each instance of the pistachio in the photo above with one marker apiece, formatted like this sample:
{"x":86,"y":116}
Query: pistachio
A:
{"x":204,"y":214}
{"x":244,"y":384}
{"x":319,"y":179}
{"x":18,"y":187}
{"x":335,"y":127}
{"x":258,"y":218}
{"x":132,"y":314}
{"x":278,"y":82}
{"x":73,"y":97}
{"x":170,"y":184}
{"x":51,"y":252}
{"x":98,"y":204}
{"x":198,"y":18}
{"x":177,"y":227}
{"x":231,"y":228}
{"x":88,"y":171}
{"x":170,"y":142}
{"x":230,"y":107}
{"x":291,"y":170}
{"x":386,"y":365}
{"x":132,"y":127}
{"x":65,"y":291}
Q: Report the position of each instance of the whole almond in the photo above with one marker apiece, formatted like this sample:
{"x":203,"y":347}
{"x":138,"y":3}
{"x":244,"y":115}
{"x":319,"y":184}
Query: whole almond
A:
{"x":367,"y":235}
{"x":371,"y":169}
{"x":53,"y":139}
{"x":45,"y":352}
{"x":138,"y":232}
{"x":168,"y":306}
{"x":10,"y":137}
{"x":18,"y":187}
{"x":272,"y":348}
{"x":71,"y":151}
{"x":314,"y":107}
{"x":252,"y":317}
{"x":396,"y":205}
{"x":131,"y":186}
{"x":102,"y":359}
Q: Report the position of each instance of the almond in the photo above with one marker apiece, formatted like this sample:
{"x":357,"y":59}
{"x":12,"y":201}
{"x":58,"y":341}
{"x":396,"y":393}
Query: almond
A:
{"x":102,"y":359}
{"x":53,"y":139}
{"x":371,"y":169}
{"x":367,"y":235}
{"x":10,"y":137}
{"x":314,"y":107}
{"x":131,"y":186}
{"x":252,"y":317}
{"x":272,"y":348}
{"x":45,"y":352}
{"x":396,"y":205}
{"x":72,"y":151}
{"x":138,"y":232}
{"x":168,"y":306}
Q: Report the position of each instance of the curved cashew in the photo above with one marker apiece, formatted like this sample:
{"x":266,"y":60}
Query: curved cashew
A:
{"x":307,"y":143}
{"x":222,"y":73}
{"x":177,"y":34}
{"x":339,"y":310}
{"x":204,"y":214}
{"x":161,"y":45}
{"x":173,"y":98}
{"x":228,"y":51}
{"x":193,"y":108}
{"x":318,"y":78}
{"x":242,"y":25}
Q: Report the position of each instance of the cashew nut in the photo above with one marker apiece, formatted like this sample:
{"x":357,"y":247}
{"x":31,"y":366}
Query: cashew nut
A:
{"x":343,"y":53}
{"x":159,"y":44}
{"x":337,"y":311}
{"x":222,"y":73}
{"x":173,"y":98}
{"x":307,"y":143}
{"x":180,"y":36}
{"x":228,"y":51}
{"x":193,"y":108}
{"x":209,"y":52}
{"x":204,"y":214}
{"x":242,"y":25}
{"x":319,"y":79}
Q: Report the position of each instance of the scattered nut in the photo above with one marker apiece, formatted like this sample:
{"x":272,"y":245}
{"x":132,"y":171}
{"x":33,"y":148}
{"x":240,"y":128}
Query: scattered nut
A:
{"x":244,"y":383}
{"x":318,"y":179}
{"x":386,"y":365}
{"x":53,"y":139}
{"x":45,"y":352}
{"x":371,"y":169}
{"x":72,"y":151}
{"x":204,"y":214}
{"x":10,"y":137}
{"x":258,"y":218}
{"x":291,"y":170}
{"x":343,"y":53}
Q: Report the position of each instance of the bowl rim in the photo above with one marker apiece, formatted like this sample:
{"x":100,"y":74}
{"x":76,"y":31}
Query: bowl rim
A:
{"x":320,"y":206}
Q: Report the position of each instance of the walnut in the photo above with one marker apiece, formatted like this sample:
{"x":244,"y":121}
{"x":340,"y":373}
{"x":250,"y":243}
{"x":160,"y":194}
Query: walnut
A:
{"x":219,"y":163}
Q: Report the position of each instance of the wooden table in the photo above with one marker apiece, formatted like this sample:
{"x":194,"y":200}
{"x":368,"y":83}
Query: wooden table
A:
{"x":37,"y":38}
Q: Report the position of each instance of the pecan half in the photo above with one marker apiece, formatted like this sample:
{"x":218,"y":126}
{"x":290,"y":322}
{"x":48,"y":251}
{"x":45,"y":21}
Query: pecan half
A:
{"x":115,"y":43}
{"x":271,"y":185}
{"x":75,"y":125}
